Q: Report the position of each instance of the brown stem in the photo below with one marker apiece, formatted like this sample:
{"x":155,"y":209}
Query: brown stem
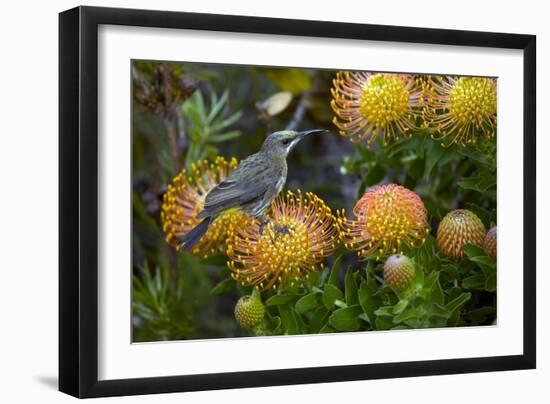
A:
{"x":173,"y":142}
{"x":299,"y":112}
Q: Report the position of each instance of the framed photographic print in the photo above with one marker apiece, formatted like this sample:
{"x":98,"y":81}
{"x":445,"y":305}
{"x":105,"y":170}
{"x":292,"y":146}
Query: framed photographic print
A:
{"x":251,"y":201}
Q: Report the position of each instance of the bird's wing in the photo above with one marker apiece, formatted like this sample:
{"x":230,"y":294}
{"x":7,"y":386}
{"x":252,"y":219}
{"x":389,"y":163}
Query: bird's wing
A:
{"x":242,"y":186}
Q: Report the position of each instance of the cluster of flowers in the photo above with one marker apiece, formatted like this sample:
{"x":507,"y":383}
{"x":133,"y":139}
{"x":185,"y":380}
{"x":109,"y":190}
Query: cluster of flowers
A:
{"x":454,"y":109}
{"x":387,"y":218}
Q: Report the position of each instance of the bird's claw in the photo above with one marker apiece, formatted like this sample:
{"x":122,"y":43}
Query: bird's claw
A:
{"x":262,"y":226}
{"x":278,"y":229}
{"x":281,"y":230}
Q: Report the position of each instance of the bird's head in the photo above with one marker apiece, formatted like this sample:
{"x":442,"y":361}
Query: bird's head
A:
{"x":282,"y":142}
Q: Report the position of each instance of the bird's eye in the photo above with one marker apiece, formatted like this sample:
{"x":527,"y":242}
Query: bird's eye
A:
{"x":285,"y":141}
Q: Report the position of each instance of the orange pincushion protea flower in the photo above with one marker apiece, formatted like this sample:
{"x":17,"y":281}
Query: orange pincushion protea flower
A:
{"x":371,"y":105}
{"x":184,"y":199}
{"x":300,"y":235}
{"x":387,"y":216}
{"x":461,"y":109}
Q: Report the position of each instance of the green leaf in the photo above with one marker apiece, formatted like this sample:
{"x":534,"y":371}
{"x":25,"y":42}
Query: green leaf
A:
{"x":455,"y":305}
{"x":374,"y":175}
{"x":222,"y":287}
{"x":437,"y":295}
{"x":198,"y":104}
{"x":384,"y":311}
{"x":491,"y":283}
{"x":351,"y":288}
{"x":222,"y":137}
{"x":487,"y":264}
{"x":217,"y":105}
{"x":346,"y":319}
{"x":300,"y":325}
{"x":288,"y":320}
{"x":480,"y":158}
{"x":405,"y":316}
{"x":274,"y":324}
{"x":306,"y":303}
{"x":367,"y":302}
{"x":473,"y":251}
{"x":226,"y":122}
{"x":431,"y":280}
{"x":479,"y":184}
{"x":281,"y":299}
{"x":193,"y":113}
{"x":418,"y":282}
{"x":439,"y":311}
{"x":334,"y":278}
{"x":383,"y":323}
{"x":256,"y":293}
{"x":458,"y":302}
{"x":331,"y":294}
{"x":319,"y":319}
{"x":480,"y":315}
{"x":323,"y":277}
{"x":416,"y":169}
{"x":474,"y":282}
{"x":327,"y":329}
{"x":400,"y":306}
{"x":451,"y":270}
{"x":433,"y":155}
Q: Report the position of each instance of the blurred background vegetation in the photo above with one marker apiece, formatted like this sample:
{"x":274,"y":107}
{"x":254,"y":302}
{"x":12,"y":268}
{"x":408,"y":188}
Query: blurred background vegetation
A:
{"x":184,"y":112}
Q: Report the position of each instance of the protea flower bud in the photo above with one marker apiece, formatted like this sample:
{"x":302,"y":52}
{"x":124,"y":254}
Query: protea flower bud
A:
{"x":490,"y":243}
{"x":249,"y":311}
{"x":458,"y":228}
{"x":398,"y":272}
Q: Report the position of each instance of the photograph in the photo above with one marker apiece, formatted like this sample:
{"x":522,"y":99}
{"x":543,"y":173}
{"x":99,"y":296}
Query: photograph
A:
{"x":270,"y":201}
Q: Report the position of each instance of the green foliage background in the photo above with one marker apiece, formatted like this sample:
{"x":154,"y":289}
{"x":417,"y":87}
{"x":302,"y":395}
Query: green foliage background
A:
{"x":179,"y":296}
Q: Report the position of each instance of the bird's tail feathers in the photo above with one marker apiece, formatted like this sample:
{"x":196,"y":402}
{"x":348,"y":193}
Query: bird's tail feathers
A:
{"x":191,"y":239}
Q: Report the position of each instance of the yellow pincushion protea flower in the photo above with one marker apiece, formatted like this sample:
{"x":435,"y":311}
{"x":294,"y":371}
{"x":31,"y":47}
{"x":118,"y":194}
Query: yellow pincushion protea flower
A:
{"x":371,"y":105}
{"x":387,"y":217}
{"x":184,"y":199}
{"x":460,"y":110}
{"x":300,"y":235}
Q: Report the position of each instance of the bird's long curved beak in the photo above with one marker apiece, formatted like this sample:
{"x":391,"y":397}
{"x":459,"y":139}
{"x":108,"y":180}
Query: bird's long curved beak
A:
{"x":310,"y":132}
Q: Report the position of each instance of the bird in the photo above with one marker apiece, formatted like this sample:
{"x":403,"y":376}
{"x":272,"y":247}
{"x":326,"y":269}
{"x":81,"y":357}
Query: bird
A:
{"x":251,"y":187}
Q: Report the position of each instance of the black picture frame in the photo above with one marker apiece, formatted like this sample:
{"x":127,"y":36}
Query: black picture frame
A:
{"x":78,"y":200}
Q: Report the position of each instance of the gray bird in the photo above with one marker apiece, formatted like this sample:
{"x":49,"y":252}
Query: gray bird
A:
{"x":252,"y":187}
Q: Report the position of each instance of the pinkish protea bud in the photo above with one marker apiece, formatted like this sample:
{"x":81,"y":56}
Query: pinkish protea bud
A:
{"x":490,"y":243}
{"x":458,"y":228}
{"x":398,"y":272}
